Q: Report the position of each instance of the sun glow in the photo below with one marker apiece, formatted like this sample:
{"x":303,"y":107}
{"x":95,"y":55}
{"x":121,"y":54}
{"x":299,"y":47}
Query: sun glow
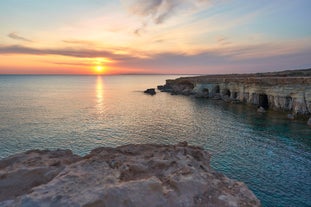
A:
{"x":99,"y":69}
{"x":101,"y":65}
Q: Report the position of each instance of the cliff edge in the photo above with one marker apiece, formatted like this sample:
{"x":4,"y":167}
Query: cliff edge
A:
{"x":131,"y":175}
{"x":288,"y":91}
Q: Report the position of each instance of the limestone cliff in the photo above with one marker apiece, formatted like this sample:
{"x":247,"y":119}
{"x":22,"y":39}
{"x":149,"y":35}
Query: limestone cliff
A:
{"x":286,"y":91}
{"x":132,"y":175}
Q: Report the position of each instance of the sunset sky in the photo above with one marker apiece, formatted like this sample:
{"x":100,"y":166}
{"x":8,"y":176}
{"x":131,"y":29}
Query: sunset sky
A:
{"x":154,"y":36}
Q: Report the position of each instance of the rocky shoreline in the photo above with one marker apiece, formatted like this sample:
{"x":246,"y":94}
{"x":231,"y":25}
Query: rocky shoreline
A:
{"x":286,"y":91}
{"x":131,"y":175}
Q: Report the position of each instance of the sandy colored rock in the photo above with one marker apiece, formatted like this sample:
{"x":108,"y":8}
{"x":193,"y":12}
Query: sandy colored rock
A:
{"x":282,"y":91}
{"x":132,"y":175}
{"x":22,"y":172}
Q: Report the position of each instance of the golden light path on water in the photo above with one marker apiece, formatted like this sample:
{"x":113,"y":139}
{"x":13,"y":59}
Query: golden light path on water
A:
{"x":100,"y":94}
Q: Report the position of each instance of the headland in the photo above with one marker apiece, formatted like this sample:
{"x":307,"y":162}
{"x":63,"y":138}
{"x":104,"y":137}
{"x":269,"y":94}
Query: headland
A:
{"x":287,"y":91}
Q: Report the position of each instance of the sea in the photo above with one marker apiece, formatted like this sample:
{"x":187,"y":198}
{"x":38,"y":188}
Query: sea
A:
{"x":268,"y":152}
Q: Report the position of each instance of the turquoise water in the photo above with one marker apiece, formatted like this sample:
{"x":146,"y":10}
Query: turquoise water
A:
{"x":271,"y":154}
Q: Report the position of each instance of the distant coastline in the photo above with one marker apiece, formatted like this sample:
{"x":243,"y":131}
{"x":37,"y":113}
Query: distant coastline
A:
{"x":288,"y":91}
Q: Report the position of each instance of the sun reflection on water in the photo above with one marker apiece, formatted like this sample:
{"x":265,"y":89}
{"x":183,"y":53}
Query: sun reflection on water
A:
{"x":100,"y":94}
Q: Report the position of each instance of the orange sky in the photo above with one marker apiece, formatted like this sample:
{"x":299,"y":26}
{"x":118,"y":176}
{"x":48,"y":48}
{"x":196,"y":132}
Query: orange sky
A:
{"x":161,"y":37}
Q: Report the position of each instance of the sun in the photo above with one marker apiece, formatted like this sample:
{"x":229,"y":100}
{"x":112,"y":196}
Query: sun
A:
{"x":99,"y":69}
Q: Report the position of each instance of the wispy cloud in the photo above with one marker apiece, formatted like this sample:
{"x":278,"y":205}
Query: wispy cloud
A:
{"x":158,"y":11}
{"x":71,"y":52}
{"x":240,"y":58}
{"x":214,"y":62}
{"x":79,"y":42}
{"x":72,"y":64}
{"x":15,"y":36}
{"x":223,"y":41}
{"x":228,"y":51}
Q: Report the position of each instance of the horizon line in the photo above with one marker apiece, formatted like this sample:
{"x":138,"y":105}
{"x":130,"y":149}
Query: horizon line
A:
{"x":116,"y":74}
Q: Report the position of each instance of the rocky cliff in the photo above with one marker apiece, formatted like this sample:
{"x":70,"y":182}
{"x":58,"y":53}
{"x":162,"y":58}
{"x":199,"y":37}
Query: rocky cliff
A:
{"x":285,"y":91}
{"x":132,"y":175}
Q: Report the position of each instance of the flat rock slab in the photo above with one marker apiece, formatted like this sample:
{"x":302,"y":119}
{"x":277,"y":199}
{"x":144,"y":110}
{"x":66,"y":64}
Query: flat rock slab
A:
{"x":131,"y":175}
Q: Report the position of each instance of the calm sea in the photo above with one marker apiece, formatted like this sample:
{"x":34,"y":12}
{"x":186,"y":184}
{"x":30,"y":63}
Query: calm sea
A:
{"x":271,"y":154}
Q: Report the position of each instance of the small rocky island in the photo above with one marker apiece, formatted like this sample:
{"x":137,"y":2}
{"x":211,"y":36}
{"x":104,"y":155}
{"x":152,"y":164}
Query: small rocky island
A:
{"x":131,"y":175}
{"x":288,"y":91}
{"x":150,"y":91}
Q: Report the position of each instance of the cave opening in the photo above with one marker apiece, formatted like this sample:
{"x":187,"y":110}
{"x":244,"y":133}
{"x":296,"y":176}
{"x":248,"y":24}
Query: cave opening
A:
{"x":205,"y":91}
{"x":226,"y":92}
{"x":263,"y":101}
{"x":288,"y":103}
{"x":216,"y":89}
{"x":235,"y":95}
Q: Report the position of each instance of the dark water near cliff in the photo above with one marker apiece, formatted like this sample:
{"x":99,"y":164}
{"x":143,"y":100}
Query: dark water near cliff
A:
{"x":269,"y":153}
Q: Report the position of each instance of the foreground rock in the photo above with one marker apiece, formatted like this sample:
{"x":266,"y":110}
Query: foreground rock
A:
{"x":132,"y":175}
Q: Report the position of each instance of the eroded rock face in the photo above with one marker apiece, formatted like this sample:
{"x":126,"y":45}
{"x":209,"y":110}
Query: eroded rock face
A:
{"x":132,"y":175}
{"x":20,"y":173}
{"x":284,"y":91}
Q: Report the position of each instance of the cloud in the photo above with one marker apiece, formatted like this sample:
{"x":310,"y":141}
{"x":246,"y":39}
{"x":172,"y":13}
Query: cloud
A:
{"x":15,"y":36}
{"x":223,"y":41}
{"x":158,"y":11}
{"x":235,"y":52}
{"x":79,"y":42}
{"x":263,"y":56}
{"x":72,"y":64}
{"x":234,"y":59}
{"x":71,"y":52}
{"x":213,"y":62}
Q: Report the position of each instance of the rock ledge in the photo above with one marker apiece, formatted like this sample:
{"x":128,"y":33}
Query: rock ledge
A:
{"x":131,"y":175}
